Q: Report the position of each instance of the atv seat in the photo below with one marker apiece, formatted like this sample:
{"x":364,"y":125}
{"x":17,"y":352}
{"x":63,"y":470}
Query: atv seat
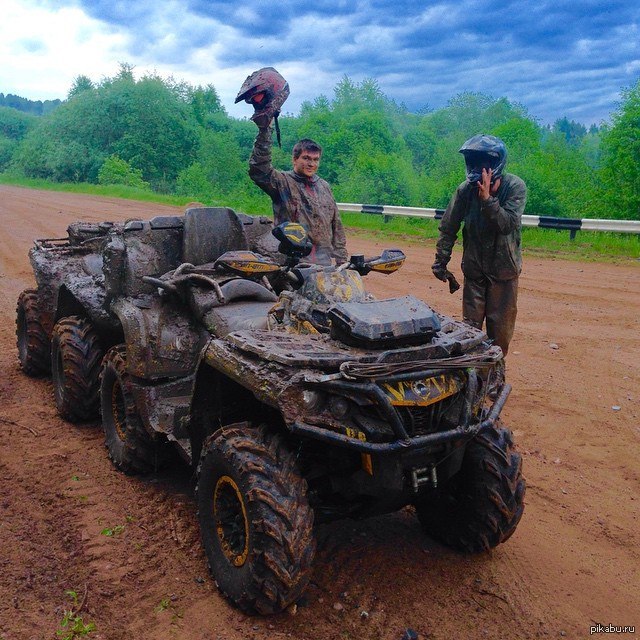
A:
{"x":246,"y":306}
{"x":209,"y":232}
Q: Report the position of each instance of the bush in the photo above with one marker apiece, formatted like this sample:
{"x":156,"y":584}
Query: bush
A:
{"x":7,"y":147}
{"x":117,"y":171}
{"x":192,"y":182}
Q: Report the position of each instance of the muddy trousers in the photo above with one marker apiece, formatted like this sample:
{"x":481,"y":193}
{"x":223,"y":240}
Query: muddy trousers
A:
{"x":494,"y":301}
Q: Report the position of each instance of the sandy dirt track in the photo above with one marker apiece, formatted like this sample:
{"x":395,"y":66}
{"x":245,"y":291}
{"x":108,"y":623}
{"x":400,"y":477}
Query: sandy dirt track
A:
{"x":573,"y":562}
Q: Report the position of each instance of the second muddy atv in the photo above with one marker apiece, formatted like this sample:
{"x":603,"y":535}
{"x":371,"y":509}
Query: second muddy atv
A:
{"x":297,"y":396}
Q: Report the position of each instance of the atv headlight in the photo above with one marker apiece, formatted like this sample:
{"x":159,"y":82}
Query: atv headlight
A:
{"x":339,"y":407}
{"x":312,"y":400}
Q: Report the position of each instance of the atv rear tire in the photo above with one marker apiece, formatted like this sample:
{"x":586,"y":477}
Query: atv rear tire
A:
{"x":480,"y":507}
{"x":131,"y":448}
{"x":76,"y":354}
{"x":34,"y":346}
{"x":255,"y":520}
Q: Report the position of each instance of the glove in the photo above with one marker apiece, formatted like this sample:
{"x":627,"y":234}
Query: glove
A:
{"x":454,"y":285}
{"x":262,"y":119}
{"x":439,"y":270}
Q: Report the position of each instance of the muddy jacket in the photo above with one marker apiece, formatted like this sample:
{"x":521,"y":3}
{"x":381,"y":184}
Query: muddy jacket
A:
{"x":491,"y":233}
{"x":308,"y":201}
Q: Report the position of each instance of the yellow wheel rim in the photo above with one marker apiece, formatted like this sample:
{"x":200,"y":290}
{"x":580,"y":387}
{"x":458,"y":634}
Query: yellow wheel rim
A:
{"x":231,"y":522}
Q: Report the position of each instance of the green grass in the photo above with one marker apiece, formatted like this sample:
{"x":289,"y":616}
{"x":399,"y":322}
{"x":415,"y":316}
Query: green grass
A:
{"x":587,"y":246}
{"x":109,"y":191}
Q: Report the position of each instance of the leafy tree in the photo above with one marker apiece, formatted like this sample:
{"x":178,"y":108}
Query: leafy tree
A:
{"x":81,"y":83}
{"x":34,"y":107}
{"x":7,"y":148}
{"x":15,"y":124}
{"x":572,"y":131}
{"x":206,"y":104}
{"x":472,"y":113}
{"x":219,"y":159}
{"x":421,"y":141}
{"x":143,"y":122}
{"x":114,"y":170}
{"x":621,"y":157}
{"x":33,"y":156}
{"x":193,"y":183}
{"x":379,"y":178}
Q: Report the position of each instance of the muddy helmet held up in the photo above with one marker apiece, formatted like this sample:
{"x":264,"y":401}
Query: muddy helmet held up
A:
{"x":484,"y":152}
{"x":266,"y":90}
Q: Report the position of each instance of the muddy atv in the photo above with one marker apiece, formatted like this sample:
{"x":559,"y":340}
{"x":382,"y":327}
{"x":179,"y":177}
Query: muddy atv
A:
{"x":297,"y":396}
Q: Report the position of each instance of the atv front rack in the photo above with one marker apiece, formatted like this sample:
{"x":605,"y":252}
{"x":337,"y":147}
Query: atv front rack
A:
{"x":322,"y":352}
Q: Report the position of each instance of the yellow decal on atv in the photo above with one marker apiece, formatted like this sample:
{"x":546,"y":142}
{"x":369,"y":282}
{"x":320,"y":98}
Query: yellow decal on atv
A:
{"x":421,"y":393}
{"x":367,"y":463}
{"x":295,"y":232}
{"x":341,"y":286}
{"x":246,"y":262}
{"x":388,"y":267}
{"x":251,"y":266}
{"x":305,"y":327}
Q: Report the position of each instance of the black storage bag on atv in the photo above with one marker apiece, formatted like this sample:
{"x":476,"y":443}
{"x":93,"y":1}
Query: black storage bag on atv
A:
{"x":377,"y":324}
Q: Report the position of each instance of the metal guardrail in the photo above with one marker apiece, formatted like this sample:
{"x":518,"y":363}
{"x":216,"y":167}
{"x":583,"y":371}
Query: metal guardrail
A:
{"x":572,"y":225}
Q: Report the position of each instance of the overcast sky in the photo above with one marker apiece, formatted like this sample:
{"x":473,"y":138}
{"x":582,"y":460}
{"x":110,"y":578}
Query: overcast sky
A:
{"x":557,"y":58}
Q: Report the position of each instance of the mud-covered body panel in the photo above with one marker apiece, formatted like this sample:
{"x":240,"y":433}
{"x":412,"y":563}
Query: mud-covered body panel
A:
{"x":162,"y":341}
{"x":69,"y":280}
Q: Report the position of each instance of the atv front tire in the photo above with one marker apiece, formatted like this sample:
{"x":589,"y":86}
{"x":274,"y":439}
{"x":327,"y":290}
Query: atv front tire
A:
{"x":130,"y":447}
{"x":76,"y":354}
{"x":255,"y":520}
{"x":34,"y":346}
{"x":479,"y":507}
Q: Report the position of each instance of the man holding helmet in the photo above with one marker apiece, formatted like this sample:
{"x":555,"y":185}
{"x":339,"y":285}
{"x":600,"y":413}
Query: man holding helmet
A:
{"x":490,"y":203}
{"x":298,"y":195}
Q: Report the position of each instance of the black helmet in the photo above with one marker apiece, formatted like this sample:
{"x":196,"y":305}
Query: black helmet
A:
{"x":265,"y":89}
{"x":484,"y":152}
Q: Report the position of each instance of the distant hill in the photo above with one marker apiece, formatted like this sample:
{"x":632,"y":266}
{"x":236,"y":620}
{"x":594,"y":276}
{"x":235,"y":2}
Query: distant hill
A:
{"x":34,"y":107}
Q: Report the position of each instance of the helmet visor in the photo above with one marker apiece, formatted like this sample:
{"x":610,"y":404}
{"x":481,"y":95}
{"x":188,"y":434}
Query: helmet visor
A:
{"x":476,"y":162}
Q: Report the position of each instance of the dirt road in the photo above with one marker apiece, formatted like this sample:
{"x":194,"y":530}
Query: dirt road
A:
{"x":574,"y":561}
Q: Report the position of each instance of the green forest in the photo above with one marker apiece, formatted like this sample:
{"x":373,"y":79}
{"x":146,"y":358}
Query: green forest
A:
{"x":170,"y":137}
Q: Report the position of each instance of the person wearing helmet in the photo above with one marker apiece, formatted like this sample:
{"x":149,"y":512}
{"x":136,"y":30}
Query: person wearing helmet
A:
{"x":299,"y":195}
{"x":490,"y":203}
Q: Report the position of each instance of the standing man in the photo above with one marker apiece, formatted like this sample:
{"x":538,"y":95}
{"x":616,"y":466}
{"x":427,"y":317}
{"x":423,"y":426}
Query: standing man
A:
{"x":298,"y":195}
{"x":490,"y":203}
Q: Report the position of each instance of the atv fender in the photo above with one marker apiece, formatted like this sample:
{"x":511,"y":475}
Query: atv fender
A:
{"x":82,"y":297}
{"x":161,"y":341}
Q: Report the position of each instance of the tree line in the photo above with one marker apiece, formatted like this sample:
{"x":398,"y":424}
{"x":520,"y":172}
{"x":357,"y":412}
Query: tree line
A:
{"x":35,"y":107}
{"x":172,"y":137}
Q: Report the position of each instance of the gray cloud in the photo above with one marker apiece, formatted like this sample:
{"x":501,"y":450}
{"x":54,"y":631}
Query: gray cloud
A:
{"x":31,"y":45}
{"x":557,"y":58}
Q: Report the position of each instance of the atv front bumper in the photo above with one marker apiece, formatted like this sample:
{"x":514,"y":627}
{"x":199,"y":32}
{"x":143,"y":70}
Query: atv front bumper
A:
{"x":403,"y":442}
